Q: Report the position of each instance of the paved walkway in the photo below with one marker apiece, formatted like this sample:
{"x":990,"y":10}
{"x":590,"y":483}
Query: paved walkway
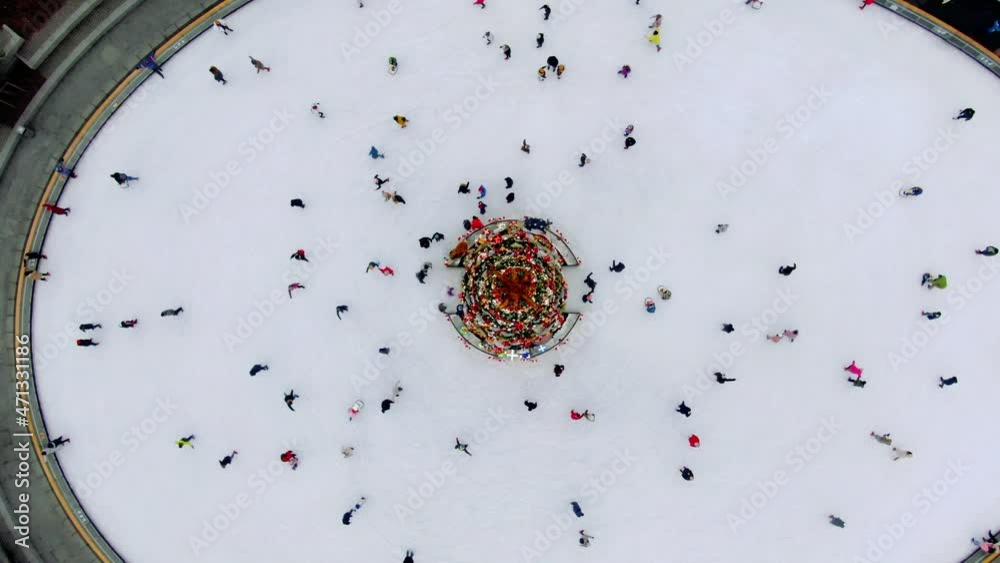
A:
{"x":52,"y":536}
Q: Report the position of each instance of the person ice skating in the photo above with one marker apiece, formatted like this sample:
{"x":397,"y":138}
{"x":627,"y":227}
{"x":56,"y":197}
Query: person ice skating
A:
{"x":508,"y":182}
{"x":422,"y":274}
{"x":589,"y":281}
{"x":911,"y":192}
{"x":51,"y":446}
{"x":665,"y":293}
{"x":947,"y":382}
{"x":293,"y":286}
{"x":755,"y":4}
{"x":581,"y":415}
{"x":866,"y":3}
{"x":259,"y":65}
{"x":482,"y":192}
{"x":939,"y":281}
{"x":559,"y":71}
{"x":480,"y":3}
{"x":539,"y":40}
{"x":341,"y":309}
{"x":721,"y":378}
{"x":787,"y":270}
{"x":299,"y":255}
{"x":728,"y":328}
{"x":531,"y":405}
{"x":791,"y":335}
{"x":687,"y":474}
{"x":56,"y":210}
{"x":257,"y":368}
{"x":387,"y":271}
{"x":650,"y":305}
{"x":901,"y":454}
{"x":657,"y":21}
{"x":482,"y":208}
{"x":988,"y":251}
{"x":684,"y":409}
{"x":854,"y":369}
{"x":372,"y":266}
{"x":510,"y":197}
{"x":36,"y":276}
{"x":86,"y":342}
{"x":346,"y":520}
{"x":588,"y":297}
{"x":488,"y":37}
{"x":585,"y":539}
{"x":185,"y":441}
{"x":966,"y":114}
{"x":297,"y":202}
{"x":694,"y":441}
{"x":576,"y":509}
{"x":424,"y":242}
{"x":464,"y":448}
{"x":386,"y":405}
{"x":221,"y":26}
{"x":124,"y":179}
{"x":775,"y":338}
{"x":316,"y":111}
{"x":628,"y":130}
{"x":629,"y":142}
{"x":625,"y":70}
{"x":375,"y":154}
{"x":546,"y":12}
{"x":217,"y":75}
{"x":149,"y":61}
{"x":995,"y":27}
{"x":463,"y":188}
{"x":541,"y":73}
{"x":393,"y":65}
{"x":883,"y":439}
{"x":291,"y":459}
{"x":409,"y":556}
{"x":617,"y":267}
{"x":525,"y":147}
{"x":558,"y":369}
{"x":401,"y":120}
{"x":34,"y":255}
{"x":476,"y":223}
{"x":506,"y":52}
{"x":226,"y":461}
{"x":89,"y":326}
{"x":290,"y":399}
{"x":654,"y":38}
{"x":931,"y":315}
{"x":63,"y":171}
{"x":552,"y":62}
{"x":379,"y":182}
{"x":384,"y":350}
{"x":129,"y":323}
{"x":721,"y":228}
{"x":835,"y":521}
{"x":347,"y":451}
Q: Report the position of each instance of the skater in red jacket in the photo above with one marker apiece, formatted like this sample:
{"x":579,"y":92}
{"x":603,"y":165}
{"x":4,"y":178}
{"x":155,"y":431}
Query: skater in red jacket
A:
{"x":290,"y":458}
{"x":56,"y":210}
{"x":299,"y":255}
{"x":387,"y":271}
{"x":694,"y":441}
{"x":866,"y":3}
{"x":294,"y":286}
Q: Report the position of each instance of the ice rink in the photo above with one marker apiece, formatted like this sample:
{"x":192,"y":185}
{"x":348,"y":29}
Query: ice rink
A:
{"x":796,"y":124}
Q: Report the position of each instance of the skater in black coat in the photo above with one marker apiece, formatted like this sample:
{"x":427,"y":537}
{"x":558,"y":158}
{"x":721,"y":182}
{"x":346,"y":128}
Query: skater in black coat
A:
{"x":558,"y":369}
{"x":966,"y":114}
{"x":409,"y":556}
{"x":539,"y":40}
{"x":463,"y":188}
{"x":224,"y":462}
{"x":583,"y":160}
{"x":531,"y":406}
{"x":947,"y":382}
{"x":387,"y":404}
{"x":552,"y":62}
{"x":217,"y":75}
{"x":86,"y":327}
{"x":257,"y":368}
{"x":546,"y":11}
{"x":687,"y":474}
{"x":298,"y":203}
{"x":858,"y":382}
{"x":617,"y":267}
{"x":684,"y":409}
{"x":171,"y":312}
{"x":290,"y":399}
{"x":629,"y":142}
{"x":721,"y":378}
{"x":728,"y":328}
{"x":589,"y":282}
{"x":509,"y":181}
{"x":576,"y":509}
{"x":341,"y":309}
{"x":510,"y":197}
{"x":506,"y":52}
{"x":787,"y":270}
